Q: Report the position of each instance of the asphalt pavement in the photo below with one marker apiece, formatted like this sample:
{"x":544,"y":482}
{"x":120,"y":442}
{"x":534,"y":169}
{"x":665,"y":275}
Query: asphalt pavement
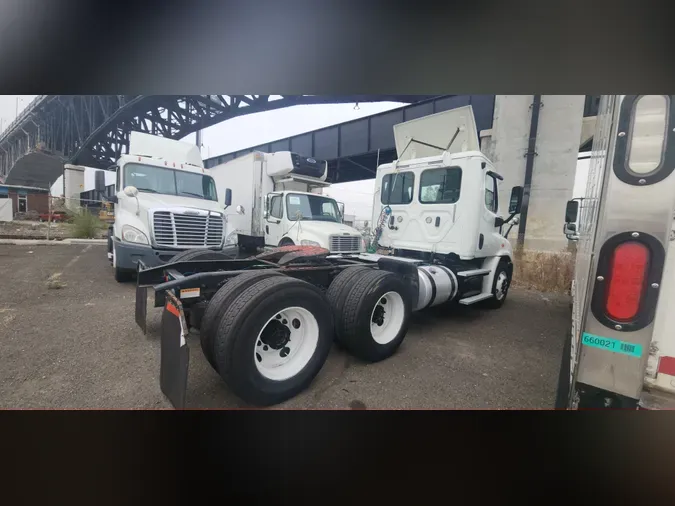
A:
{"x":68,"y":339}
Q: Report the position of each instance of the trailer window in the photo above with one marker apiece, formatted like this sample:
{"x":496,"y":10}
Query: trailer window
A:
{"x":397,"y":188}
{"x":440,"y":186}
{"x":276,"y":209}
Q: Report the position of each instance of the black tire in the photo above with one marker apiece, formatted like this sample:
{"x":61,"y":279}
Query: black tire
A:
{"x":199,"y":254}
{"x":353,"y":329}
{"x":563,"y":391}
{"x":237,"y":336}
{"x":219,"y":303}
{"x":122,"y":275}
{"x":341,"y":286}
{"x":286,"y":242}
{"x":506,"y":268}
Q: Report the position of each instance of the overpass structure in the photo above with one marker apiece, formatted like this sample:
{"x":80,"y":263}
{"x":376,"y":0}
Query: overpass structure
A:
{"x":355,"y":148}
{"x":93,"y":130}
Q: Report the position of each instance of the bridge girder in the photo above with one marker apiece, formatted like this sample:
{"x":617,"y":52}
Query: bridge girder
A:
{"x":93,"y":130}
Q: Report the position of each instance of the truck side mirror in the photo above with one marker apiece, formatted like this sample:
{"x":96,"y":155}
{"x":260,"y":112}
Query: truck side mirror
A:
{"x":499,"y":221}
{"x":228,"y":197}
{"x":99,"y":181}
{"x":571,"y":211}
{"x":516,"y":200}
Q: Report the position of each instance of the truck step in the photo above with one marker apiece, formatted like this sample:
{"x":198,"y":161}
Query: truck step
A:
{"x":474,"y":272}
{"x":476,"y":298}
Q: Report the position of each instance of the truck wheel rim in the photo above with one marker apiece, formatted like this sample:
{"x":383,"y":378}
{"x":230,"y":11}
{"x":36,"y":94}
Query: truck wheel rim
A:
{"x":501,"y":286}
{"x":387,"y":318}
{"x":286,"y":343}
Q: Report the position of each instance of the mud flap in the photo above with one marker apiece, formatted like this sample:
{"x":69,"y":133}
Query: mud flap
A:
{"x":175,"y":354}
{"x":142,"y":307}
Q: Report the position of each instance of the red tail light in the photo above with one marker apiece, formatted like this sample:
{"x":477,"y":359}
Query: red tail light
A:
{"x":628,"y":269}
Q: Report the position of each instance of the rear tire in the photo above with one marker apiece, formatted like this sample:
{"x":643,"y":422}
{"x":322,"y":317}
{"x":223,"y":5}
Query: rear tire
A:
{"x":340,"y":287}
{"x":374,"y":317}
{"x":249,"y":329}
{"x":220,"y":302}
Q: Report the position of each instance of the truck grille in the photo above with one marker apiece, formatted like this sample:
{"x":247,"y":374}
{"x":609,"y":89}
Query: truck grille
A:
{"x":345,"y":244}
{"x":183,"y":230}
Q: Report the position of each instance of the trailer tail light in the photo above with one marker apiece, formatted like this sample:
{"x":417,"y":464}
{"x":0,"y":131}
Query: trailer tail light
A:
{"x":628,"y":269}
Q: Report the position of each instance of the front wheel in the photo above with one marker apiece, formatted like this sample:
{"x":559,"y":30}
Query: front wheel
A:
{"x":121,"y":275}
{"x":500,"y":285}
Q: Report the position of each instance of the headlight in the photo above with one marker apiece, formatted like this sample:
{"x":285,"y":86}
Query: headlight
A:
{"x":305,"y":242}
{"x":131,"y":234}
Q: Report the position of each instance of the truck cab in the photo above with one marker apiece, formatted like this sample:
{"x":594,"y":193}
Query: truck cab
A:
{"x":440,"y":198}
{"x":308,"y":219}
{"x":165,"y":202}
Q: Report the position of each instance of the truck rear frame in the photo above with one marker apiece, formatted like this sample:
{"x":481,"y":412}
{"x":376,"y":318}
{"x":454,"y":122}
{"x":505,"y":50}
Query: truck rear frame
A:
{"x":364,"y":301}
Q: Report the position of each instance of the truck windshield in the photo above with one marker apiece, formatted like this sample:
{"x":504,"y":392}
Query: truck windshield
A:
{"x":311,"y":207}
{"x":151,"y":179}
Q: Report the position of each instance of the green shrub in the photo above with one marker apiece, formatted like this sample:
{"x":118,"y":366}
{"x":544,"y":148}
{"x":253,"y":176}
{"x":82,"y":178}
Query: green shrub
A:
{"x":86,"y":225}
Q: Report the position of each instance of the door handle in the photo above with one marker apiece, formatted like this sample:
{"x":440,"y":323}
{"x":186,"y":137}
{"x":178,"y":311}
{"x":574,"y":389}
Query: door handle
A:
{"x":438,"y":221}
{"x":267,"y":229}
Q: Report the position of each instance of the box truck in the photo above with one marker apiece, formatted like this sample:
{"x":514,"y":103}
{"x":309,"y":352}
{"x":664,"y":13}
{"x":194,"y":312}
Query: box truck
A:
{"x":274,"y":204}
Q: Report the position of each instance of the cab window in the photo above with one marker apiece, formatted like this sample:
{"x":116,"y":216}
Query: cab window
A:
{"x":440,"y":186}
{"x":276,"y":209}
{"x":397,"y":188}
{"x":491,"y":193}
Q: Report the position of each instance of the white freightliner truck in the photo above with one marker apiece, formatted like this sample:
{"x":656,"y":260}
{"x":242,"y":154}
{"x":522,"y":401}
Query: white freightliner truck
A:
{"x":620,"y":350}
{"x":274,"y":204}
{"x":165,"y":203}
{"x":266,"y":323}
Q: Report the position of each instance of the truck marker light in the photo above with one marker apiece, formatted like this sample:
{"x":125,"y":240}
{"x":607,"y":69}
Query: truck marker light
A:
{"x":646,"y":143}
{"x":667,"y":365}
{"x":628,"y":269}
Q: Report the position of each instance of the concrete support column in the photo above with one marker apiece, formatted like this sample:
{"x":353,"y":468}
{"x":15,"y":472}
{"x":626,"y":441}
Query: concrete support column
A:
{"x":556,"y":148}
{"x":73,"y":185}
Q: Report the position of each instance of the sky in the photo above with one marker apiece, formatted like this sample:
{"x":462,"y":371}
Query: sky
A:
{"x":251,"y":130}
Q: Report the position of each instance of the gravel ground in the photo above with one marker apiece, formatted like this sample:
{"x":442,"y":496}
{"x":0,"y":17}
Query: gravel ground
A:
{"x":78,"y":346}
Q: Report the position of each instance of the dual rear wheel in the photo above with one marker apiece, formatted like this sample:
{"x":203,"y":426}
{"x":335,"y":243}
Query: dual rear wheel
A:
{"x":268,"y":335}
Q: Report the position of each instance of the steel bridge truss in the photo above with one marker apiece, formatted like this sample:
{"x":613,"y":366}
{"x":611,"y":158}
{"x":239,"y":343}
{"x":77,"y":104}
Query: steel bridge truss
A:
{"x":93,"y":130}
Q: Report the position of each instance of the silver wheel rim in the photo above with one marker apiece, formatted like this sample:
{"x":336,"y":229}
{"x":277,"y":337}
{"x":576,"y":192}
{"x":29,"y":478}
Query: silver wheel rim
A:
{"x":286,"y":344}
{"x":387,"y":317}
{"x":502,"y":285}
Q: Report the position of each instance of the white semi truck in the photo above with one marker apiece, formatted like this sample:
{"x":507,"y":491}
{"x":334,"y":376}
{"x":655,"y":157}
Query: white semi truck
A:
{"x":274,"y":204}
{"x":165,"y":203}
{"x":620,"y":349}
{"x":438,"y":202}
{"x":266,"y":323}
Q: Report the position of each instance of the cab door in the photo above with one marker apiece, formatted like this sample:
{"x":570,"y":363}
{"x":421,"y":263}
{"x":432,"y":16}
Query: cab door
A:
{"x":489,"y":236}
{"x":274,"y":219}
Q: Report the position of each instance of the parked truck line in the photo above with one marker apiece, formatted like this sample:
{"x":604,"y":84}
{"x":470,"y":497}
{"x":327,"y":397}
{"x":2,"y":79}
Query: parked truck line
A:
{"x":266,"y":322}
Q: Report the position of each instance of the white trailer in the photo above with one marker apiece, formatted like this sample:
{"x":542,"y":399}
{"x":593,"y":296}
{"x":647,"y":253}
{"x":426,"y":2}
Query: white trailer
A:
{"x":266,"y":323}
{"x":274,"y":204}
{"x":620,"y":351}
